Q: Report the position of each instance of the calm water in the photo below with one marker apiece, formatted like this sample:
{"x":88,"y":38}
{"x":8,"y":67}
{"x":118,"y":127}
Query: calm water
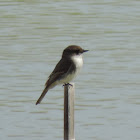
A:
{"x":32,"y":37}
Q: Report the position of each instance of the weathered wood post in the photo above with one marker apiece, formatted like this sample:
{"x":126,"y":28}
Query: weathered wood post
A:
{"x":69,"y":112}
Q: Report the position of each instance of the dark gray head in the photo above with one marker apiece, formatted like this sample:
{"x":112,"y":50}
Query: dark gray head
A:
{"x":73,"y":50}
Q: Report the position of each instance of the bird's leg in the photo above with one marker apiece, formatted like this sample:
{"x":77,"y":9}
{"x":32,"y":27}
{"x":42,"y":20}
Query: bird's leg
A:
{"x":64,"y":85}
{"x":67,"y":84}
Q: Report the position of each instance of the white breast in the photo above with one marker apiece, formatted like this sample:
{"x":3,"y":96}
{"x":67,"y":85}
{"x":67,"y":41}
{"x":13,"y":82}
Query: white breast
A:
{"x":78,"y":60}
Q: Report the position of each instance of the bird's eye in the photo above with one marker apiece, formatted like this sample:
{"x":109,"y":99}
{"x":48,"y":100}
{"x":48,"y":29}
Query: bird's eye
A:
{"x":77,"y":51}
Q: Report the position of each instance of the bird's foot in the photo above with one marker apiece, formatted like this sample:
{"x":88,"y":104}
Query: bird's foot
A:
{"x":67,"y":84}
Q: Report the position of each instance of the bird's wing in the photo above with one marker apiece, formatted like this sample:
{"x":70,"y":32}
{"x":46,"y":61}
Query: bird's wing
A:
{"x":61,"y":68}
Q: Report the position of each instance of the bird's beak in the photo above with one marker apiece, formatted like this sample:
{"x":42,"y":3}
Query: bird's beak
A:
{"x":85,"y":51}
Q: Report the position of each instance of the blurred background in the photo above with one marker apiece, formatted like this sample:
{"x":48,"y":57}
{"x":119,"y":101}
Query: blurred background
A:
{"x":33,"y":35}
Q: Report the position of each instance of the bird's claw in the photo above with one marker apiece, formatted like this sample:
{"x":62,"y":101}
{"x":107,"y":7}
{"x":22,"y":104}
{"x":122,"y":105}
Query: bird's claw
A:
{"x":67,"y":84}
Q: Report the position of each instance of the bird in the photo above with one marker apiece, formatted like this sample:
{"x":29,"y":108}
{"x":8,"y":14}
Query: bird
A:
{"x":66,"y":69}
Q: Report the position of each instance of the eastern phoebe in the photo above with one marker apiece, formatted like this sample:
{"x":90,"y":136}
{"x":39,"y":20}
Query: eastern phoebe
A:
{"x":66,"y":69}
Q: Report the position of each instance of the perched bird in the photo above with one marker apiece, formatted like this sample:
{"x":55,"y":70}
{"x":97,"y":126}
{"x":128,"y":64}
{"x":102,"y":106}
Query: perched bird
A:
{"x":66,"y":69}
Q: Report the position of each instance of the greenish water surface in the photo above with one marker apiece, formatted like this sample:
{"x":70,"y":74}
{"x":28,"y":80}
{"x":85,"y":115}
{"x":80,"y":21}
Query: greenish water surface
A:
{"x":33,"y":35}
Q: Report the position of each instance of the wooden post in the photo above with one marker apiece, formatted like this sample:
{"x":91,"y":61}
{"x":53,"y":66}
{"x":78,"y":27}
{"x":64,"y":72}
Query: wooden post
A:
{"x":69,"y":112}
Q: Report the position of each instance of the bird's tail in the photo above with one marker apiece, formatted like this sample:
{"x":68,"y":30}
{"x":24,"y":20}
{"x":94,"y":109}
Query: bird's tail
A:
{"x":42,"y":95}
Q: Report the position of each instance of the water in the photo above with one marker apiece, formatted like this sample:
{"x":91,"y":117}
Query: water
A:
{"x":33,"y":35}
